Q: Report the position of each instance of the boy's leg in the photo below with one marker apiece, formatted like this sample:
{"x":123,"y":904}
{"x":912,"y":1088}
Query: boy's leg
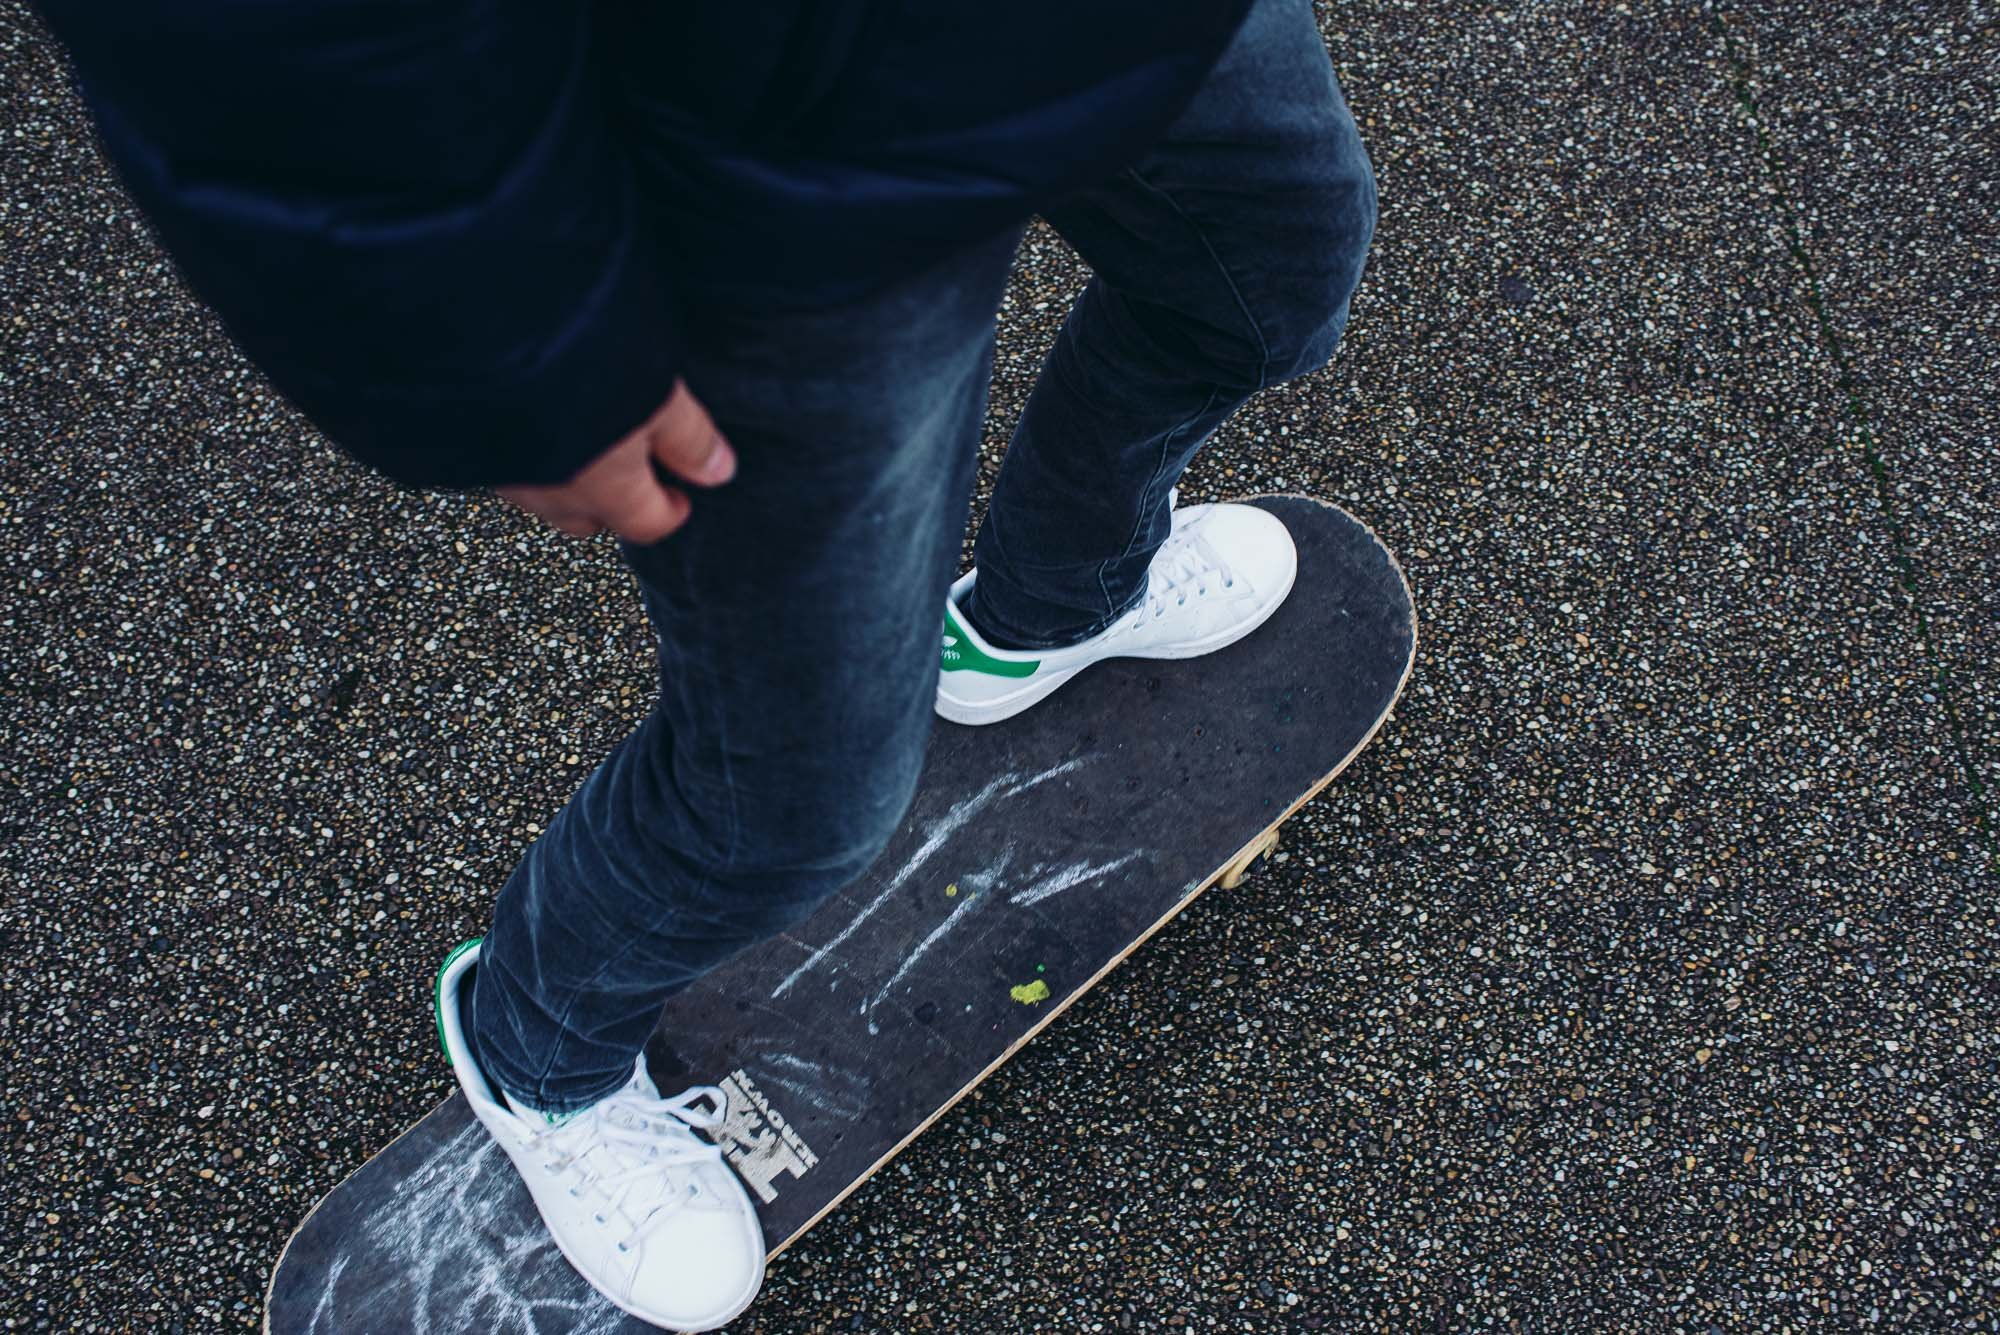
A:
{"x":797,"y":622}
{"x":1224,"y":263}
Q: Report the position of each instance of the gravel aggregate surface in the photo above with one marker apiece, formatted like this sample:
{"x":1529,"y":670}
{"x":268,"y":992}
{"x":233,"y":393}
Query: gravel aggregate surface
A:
{"x":1892,"y":173}
{"x":1641,"y":977}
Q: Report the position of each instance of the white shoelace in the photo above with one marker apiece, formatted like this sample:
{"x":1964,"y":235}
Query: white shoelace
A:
{"x":622,"y":1144}
{"x":1185,"y":563}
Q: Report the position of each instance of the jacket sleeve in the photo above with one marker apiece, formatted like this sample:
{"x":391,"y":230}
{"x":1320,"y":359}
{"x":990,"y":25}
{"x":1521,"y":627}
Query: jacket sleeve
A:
{"x":411,"y":214}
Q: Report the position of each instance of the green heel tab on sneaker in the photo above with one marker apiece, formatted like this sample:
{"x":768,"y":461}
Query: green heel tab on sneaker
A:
{"x":437,"y":987}
{"x":962,"y":655}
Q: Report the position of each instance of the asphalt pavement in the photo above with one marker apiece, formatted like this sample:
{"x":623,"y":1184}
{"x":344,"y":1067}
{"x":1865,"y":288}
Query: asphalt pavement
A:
{"x":1644,"y":976}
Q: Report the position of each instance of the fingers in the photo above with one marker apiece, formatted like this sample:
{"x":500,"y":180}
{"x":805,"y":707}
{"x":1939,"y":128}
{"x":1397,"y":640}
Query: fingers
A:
{"x":623,"y":491}
{"x":687,"y":443}
{"x":645,"y":512}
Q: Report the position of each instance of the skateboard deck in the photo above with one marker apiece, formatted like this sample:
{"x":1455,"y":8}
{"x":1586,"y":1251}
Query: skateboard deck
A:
{"x":1038,"y":853}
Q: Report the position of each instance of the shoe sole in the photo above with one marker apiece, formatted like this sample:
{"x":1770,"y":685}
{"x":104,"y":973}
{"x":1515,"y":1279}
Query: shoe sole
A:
{"x":978,"y":713}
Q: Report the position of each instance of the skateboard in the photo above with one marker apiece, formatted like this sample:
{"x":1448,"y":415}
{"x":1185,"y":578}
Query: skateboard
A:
{"x":1037,"y":854}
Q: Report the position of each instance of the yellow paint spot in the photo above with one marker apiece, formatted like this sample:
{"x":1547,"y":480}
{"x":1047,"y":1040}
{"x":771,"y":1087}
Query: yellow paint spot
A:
{"x":1030,"y":993}
{"x":951,"y":890}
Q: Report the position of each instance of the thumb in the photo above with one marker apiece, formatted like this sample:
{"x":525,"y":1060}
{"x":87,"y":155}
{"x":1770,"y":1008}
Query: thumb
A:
{"x":687,"y":443}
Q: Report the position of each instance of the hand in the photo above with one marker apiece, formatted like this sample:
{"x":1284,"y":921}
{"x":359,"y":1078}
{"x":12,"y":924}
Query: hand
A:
{"x":621,"y":491}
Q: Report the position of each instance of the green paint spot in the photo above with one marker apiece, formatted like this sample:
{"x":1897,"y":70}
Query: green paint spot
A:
{"x":1030,"y":993}
{"x":1041,"y":968}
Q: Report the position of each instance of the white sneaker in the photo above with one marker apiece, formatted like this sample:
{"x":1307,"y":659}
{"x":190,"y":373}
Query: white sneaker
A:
{"x":1220,"y":574}
{"x":643,"y":1208}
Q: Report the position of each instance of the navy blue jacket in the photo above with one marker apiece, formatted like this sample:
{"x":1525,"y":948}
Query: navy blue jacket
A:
{"x":455,"y":231}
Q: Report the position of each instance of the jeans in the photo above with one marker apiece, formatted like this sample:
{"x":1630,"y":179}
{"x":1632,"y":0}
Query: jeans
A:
{"x":797,"y":612}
